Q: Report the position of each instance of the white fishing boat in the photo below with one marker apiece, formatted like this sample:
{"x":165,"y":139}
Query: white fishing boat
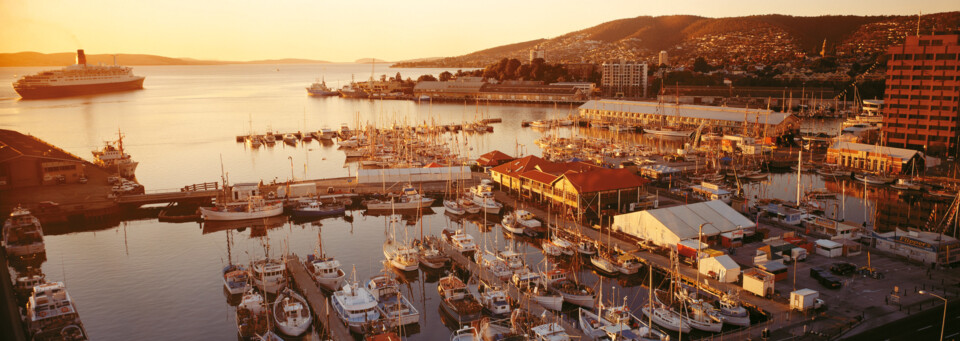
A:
{"x":291,"y":314}
{"x":572,"y":292}
{"x":457,"y":301}
{"x":355,"y":306}
{"x":513,"y":260}
{"x":509,"y":223}
{"x":551,"y":249}
{"x":482,"y":195}
{"x":592,"y":325}
{"x":468,"y":205}
{"x":628,"y":264}
{"x":626,"y":326}
{"x":236,"y":279}
{"x":519,"y":221}
{"x":49,"y":309}
{"x":531,"y":285}
{"x":325,"y":271}
{"x":22,"y":234}
{"x":665,"y":317}
{"x":603,"y":263}
{"x":254,"y":207}
{"x":269,"y":275}
{"x":407,"y":200}
{"x":565,"y":245}
{"x":461,"y":241}
{"x":28,"y":279}
{"x":393,"y":306}
{"x":586,"y":247}
{"x":490,"y":262}
{"x":252,"y":316}
{"x":550,"y":332}
{"x":494,"y":300}
{"x":733,"y":312}
{"x":401,"y":256}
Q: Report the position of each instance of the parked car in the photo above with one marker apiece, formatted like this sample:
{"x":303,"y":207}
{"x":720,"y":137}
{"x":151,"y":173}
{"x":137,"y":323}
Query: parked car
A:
{"x":843,"y":269}
{"x":825,"y":278}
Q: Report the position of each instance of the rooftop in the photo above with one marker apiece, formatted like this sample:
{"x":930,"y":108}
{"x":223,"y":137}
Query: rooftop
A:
{"x":604,"y":179}
{"x":14,"y":144}
{"x":692,"y":111}
{"x":903,"y":154}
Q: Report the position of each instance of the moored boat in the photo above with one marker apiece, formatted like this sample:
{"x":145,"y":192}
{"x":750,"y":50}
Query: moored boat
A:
{"x":269,"y":275}
{"x":291,"y":314}
{"x":482,"y":195}
{"x":22,"y":234}
{"x":254,"y":207}
{"x":252,"y":316}
{"x":407,"y":200}
{"x":236,"y":279}
{"x":572,"y":292}
{"x":456,"y":301}
{"x":113,"y":158}
{"x":314,"y":208}
{"x":393,"y":306}
{"x":355,"y":306}
{"x":531,"y":285}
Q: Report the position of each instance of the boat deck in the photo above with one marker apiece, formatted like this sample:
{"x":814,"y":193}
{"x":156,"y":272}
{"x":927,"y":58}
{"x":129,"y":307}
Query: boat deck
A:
{"x":319,"y":302}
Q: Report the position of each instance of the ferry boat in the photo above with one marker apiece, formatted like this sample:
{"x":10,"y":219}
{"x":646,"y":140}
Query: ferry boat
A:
{"x":393,"y":307}
{"x":49,"y":309}
{"x":291,"y":314}
{"x":319,"y":88}
{"x":268,"y":275}
{"x":482,"y":195}
{"x":407,"y":200}
{"x":355,"y":306}
{"x":22,"y":234}
{"x":112,"y":158}
{"x":236,"y":279}
{"x":78,"y":79}
{"x":252,"y":316}
{"x":530,"y":284}
{"x":254,"y":207}
{"x":456,"y":301}
{"x":325,"y":271}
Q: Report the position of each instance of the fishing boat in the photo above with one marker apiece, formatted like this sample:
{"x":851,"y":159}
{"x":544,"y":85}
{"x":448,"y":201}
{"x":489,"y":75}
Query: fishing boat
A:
{"x":457,"y":301}
{"x":513,"y":260}
{"x":236,"y":279}
{"x":586,"y":247}
{"x":326,"y":134}
{"x":628,"y":264}
{"x":592,"y":325}
{"x":566,"y":247}
{"x":290,"y":139}
{"x":732,"y":311}
{"x":468,"y":205}
{"x":602,"y":262}
{"x":307,"y":208}
{"x":494,"y":299}
{"x":393,"y":307}
{"x":549,"y":332}
{"x":519,"y":221}
{"x":490,"y":262}
{"x":254,"y":207}
{"x":112,"y":157}
{"x":324,"y":270}
{"x":662,"y":314}
{"x":482,"y":195}
{"x":461,"y":241}
{"x":698,"y":313}
{"x":531,"y":285}
{"x":572,"y":292}
{"x":407,"y":200}
{"x":626,"y":326}
{"x":499,"y":330}
{"x":269,"y":138}
{"x":291,"y":314}
{"x":269,"y":275}
{"x":49,"y":309}
{"x":252,"y":140}
{"x":355,"y":306}
{"x":551,"y":249}
{"x":252,"y":316}
{"x":429,"y":255}
{"x":400,"y":255}
{"x":22,"y":234}
{"x":28,"y":279}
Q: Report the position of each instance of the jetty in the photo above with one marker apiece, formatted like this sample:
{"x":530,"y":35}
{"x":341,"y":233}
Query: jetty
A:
{"x":488,"y":276}
{"x":318,"y":300}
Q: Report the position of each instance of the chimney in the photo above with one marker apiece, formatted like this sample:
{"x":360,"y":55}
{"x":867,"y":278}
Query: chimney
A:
{"x":81,"y":58}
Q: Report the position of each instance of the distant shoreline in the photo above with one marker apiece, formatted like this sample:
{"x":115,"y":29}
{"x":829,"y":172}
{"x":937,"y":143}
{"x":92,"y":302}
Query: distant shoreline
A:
{"x":36,"y":59}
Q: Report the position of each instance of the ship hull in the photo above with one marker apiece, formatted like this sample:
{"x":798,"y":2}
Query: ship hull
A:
{"x":77,"y":90}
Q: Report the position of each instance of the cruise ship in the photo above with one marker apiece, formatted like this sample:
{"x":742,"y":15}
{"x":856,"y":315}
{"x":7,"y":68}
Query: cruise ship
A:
{"x":78,"y":79}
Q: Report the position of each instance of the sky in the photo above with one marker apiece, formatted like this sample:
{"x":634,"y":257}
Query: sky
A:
{"x":346,"y":30}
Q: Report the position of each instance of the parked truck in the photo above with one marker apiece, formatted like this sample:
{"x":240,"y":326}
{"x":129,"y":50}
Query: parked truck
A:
{"x":805,"y":299}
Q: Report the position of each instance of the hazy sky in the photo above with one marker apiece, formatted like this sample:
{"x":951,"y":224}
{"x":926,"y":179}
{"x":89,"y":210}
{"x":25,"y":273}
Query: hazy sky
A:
{"x":345,"y":30}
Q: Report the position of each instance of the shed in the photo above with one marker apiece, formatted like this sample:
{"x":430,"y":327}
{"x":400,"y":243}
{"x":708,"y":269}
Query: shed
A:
{"x":758,"y":282}
{"x":723,"y":268}
{"x":668,"y":226}
{"x":829,"y":248}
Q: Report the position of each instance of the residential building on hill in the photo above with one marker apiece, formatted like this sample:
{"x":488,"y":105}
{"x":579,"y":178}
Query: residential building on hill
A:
{"x":922,"y":97}
{"x":476,"y":89}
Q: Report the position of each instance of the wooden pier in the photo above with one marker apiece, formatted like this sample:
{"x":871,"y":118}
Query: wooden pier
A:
{"x":318,"y":300}
{"x":487,"y":276}
{"x":157,"y":198}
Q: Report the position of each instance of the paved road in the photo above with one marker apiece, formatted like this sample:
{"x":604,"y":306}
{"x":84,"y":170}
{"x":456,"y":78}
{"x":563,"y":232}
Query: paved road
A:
{"x":919,"y":326}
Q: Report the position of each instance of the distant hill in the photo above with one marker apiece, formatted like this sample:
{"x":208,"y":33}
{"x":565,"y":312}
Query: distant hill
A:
{"x":69,"y":58}
{"x":369,"y":60}
{"x":738,"y":40}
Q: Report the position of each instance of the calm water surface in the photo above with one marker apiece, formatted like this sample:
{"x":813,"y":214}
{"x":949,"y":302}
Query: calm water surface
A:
{"x":161,"y":281}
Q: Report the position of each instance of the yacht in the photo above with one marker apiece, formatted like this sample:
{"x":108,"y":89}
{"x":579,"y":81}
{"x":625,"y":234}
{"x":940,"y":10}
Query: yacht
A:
{"x":291,"y":314}
{"x":269,"y":275}
{"x":456,"y":301}
{"x":573,"y":292}
{"x":252,"y":316}
{"x":482,"y":195}
{"x":407,"y":200}
{"x":112,"y":158}
{"x":393,"y":307}
{"x":236,"y":279}
{"x":325,"y":271}
{"x":254,"y":207}
{"x":531,"y":285}
{"x":355,"y":306}
{"x":22,"y":234}
{"x":49,"y":309}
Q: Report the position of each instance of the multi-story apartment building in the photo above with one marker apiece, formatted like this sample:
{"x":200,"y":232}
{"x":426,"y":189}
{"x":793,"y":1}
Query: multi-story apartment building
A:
{"x":624,"y":79}
{"x":923,"y":95}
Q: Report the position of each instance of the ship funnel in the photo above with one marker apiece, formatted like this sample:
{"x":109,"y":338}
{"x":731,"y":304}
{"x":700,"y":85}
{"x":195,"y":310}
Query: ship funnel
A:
{"x":81,"y":58}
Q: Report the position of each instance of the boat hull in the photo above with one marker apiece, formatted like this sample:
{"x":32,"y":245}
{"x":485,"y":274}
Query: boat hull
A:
{"x":209,"y":214}
{"x":318,"y":213}
{"x":79,"y":90}
{"x":743,"y":321}
{"x":385,"y":206}
{"x":554,"y":303}
{"x":331,"y":283}
{"x":678,"y":325}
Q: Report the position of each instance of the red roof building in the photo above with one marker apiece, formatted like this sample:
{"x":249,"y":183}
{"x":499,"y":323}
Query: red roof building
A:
{"x":493,"y":159}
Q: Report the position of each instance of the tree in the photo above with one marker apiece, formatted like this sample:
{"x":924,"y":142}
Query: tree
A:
{"x":445,"y":76}
{"x":701,"y":65}
{"x":427,"y":78}
{"x":398,"y":78}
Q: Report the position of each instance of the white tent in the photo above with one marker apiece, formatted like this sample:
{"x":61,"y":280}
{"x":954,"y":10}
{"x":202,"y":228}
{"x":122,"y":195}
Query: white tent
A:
{"x":668,"y":226}
{"x":724,"y":268}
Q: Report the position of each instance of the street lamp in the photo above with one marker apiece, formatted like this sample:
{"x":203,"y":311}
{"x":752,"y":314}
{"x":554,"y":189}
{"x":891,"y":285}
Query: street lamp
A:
{"x":944,"y":322}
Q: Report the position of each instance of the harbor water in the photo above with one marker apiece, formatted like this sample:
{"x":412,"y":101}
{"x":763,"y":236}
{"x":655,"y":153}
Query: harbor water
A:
{"x":152,"y":280}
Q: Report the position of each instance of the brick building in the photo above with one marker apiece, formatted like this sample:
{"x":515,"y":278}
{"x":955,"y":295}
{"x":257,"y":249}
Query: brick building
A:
{"x":922,"y":94}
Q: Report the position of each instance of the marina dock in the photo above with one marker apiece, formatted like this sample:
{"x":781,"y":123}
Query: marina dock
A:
{"x":319,"y":302}
{"x":514,"y":293}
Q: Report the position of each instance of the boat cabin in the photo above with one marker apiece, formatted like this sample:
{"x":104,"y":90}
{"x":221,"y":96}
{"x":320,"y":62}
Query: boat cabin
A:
{"x":242,"y":191}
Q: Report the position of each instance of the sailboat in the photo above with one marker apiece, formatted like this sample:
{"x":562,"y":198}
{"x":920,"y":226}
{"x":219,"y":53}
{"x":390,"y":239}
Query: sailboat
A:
{"x":236,"y":279}
{"x":400,"y":255}
{"x":661,"y":314}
